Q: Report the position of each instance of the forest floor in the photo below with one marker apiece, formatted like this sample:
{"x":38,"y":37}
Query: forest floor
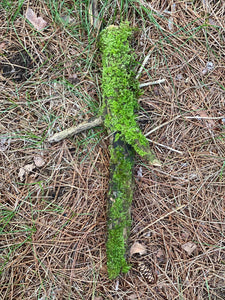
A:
{"x":53,"y":196}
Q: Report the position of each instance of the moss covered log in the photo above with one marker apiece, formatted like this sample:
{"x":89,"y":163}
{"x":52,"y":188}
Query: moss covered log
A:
{"x":120,"y":197}
{"x":120,"y":91}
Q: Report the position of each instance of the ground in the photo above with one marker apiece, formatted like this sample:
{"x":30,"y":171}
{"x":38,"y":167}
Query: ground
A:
{"x":53,"y":196}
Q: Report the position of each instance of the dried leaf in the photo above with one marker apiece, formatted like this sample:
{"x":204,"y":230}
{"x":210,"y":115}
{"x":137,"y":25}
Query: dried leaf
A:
{"x":29,"y":168}
{"x":2,"y":46}
{"x":209,"y":67}
{"x":138,"y":248}
{"x":25,"y":171}
{"x":170,"y":24}
{"x":132,"y":297}
{"x":39,"y":161}
{"x":32,"y":178}
{"x":21,"y":174}
{"x":186,"y":234}
{"x":179,"y":77}
{"x":139,"y":172}
{"x":73,"y":78}
{"x":4,"y":144}
{"x":67,"y":19}
{"x":160,"y":255}
{"x":189,"y":247}
{"x":38,"y":22}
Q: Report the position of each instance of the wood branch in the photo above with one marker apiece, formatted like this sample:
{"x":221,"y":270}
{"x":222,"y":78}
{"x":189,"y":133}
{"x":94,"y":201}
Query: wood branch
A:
{"x":93,"y":122}
{"x":120,"y":90}
{"x":119,"y":200}
{"x":152,"y":82}
{"x":93,"y":14}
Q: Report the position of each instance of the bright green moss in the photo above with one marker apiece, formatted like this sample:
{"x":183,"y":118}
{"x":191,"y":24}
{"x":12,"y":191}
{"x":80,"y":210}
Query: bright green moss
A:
{"x":119,"y":87}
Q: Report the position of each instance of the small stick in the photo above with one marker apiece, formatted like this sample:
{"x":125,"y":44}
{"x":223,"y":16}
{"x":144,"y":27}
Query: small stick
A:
{"x":152,"y":82}
{"x":76,"y":129}
{"x":144,"y":63}
{"x":158,"y":127}
{"x":94,"y":15}
{"x":164,"y":146}
{"x":162,"y":217}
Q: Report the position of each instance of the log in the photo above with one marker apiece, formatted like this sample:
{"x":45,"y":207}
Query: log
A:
{"x":120,"y":91}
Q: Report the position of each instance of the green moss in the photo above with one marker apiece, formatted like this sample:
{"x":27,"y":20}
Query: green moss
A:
{"x":119,"y":219}
{"x":120,"y":89}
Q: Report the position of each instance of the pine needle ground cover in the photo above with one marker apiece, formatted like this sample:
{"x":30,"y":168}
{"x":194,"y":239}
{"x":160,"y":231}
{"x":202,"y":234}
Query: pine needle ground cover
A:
{"x":53,"y":196}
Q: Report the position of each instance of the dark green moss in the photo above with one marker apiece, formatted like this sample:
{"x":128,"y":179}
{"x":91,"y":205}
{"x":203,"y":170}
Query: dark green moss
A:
{"x":119,"y":202}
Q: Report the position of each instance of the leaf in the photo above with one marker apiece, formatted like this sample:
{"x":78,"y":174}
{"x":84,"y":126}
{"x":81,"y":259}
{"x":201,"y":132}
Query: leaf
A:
{"x":138,"y":248}
{"x":38,"y":22}
{"x":189,"y":247}
{"x":25,"y":171}
{"x":170,"y":24}
{"x":209,"y":67}
{"x":160,"y":255}
{"x":139,"y":172}
{"x":67,"y":19}
{"x":2,"y":46}
{"x":39,"y":161}
{"x":132,"y":297}
{"x":73,"y":78}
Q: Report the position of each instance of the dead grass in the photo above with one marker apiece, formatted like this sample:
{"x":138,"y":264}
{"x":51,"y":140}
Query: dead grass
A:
{"x":53,"y":221}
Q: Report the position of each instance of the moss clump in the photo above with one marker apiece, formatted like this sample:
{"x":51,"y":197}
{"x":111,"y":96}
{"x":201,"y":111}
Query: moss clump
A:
{"x":120,"y":89}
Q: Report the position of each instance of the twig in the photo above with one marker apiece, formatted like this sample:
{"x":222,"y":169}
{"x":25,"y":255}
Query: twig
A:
{"x":97,"y":121}
{"x":152,"y":82}
{"x":203,"y":118}
{"x":144,"y":63}
{"x":162,"y":217}
{"x":164,"y":146}
{"x":146,"y":4}
{"x":158,"y":127}
{"x":94,"y":15}
{"x":76,"y":129}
